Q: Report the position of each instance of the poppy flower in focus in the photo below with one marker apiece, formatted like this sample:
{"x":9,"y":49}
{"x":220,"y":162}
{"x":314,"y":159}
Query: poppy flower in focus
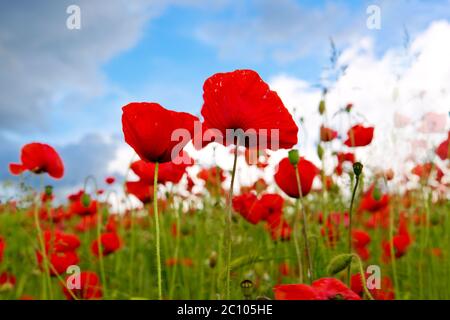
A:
{"x":359,"y":136}
{"x":285,"y":177}
{"x":39,"y":158}
{"x":443,"y":150}
{"x":110,"y":180}
{"x":327,"y":134}
{"x":90,"y":287}
{"x":148,"y":129}
{"x":109,"y":243}
{"x":242,"y":100}
{"x":321,"y":289}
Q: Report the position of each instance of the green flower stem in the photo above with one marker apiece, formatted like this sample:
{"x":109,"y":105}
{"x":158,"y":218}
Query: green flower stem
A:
{"x":228,"y":227}
{"x":157,"y":232}
{"x":350,"y":215}
{"x":296,"y":243}
{"x":304,"y":227}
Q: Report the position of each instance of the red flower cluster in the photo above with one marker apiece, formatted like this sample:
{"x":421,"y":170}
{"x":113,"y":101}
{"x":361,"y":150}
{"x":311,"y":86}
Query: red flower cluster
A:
{"x":90,"y":287}
{"x":109,"y":243}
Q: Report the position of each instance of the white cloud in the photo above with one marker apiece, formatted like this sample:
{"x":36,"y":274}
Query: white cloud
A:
{"x":412,"y":85}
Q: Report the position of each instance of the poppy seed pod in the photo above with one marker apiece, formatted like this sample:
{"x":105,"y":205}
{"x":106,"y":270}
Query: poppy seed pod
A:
{"x":85,"y":200}
{"x":293,"y":156}
{"x":339,"y":263}
{"x":322,"y":107}
{"x":247,"y":288}
{"x":48,"y":190}
{"x":357,"y":168}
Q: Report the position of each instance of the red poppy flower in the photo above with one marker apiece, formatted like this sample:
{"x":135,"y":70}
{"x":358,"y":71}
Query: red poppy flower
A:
{"x":424,"y":171}
{"x":212,"y":176}
{"x":87,"y":223}
{"x":7,"y":280}
{"x":297,"y":292}
{"x":148,"y":129}
{"x":141,"y":190}
{"x":360,"y":238}
{"x":109,"y":243}
{"x":90,"y":287}
{"x":321,"y":289}
{"x":243,"y":205}
{"x":59,"y":261}
{"x":110,"y":180}
{"x":359,"y":136}
{"x":2,"y":248}
{"x":278,"y":227}
{"x":167,"y":172}
{"x":373,"y":200}
{"x":268,"y":204}
{"x":39,"y":158}
{"x":83,"y":205}
{"x":286,"y":179}
{"x":327,"y":134}
{"x":443,"y":150}
{"x":401,"y":243}
{"x":57,"y":241}
{"x":242,"y":100}
{"x":385,"y":292}
{"x":187,"y":262}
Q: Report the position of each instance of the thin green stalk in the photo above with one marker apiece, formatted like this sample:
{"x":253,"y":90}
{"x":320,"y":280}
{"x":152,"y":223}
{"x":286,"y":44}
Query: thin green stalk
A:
{"x":297,"y":246}
{"x":228,"y":227}
{"x":357,"y":168}
{"x":304,"y":226}
{"x":158,"y":245}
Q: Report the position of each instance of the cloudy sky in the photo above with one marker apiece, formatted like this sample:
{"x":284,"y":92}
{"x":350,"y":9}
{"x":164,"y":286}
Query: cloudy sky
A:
{"x":66,"y":87}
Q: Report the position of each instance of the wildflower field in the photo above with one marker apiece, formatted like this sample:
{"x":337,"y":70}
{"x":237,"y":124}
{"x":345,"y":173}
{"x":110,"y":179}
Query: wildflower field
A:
{"x":225,"y":150}
{"x":304,"y":237}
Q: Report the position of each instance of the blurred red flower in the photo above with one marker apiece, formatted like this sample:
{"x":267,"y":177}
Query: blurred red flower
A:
{"x":359,"y":136}
{"x":39,"y":158}
{"x":59,"y":261}
{"x":110,"y":180}
{"x":109,"y":243}
{"x":443,"y":150}
{"x":148,"y":129}
{"x":90,"y":287}
{"x":373,"y":200}
{"x":285,"y":177}
{"x":385,"y":292}
{"x":7,"y":280}
{"x":327,"y":134}
{"x":2,"y":248}
{"x":242,"y":100}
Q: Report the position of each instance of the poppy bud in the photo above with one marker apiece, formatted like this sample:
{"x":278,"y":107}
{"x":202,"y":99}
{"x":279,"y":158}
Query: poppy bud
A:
{"x":247,"y":288}
{"x":349,"y":107}
{"x":339,"y":263}
{"x":376,"y":193}
{"x":322,"y":107}
{"x":85,"y":200}
{"x":320,"y":151}
{"x":357,"y":168}
{"x":293,"y":156}
{"x":48,"y":190}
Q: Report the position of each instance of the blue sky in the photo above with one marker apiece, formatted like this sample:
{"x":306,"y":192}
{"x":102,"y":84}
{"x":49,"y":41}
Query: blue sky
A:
{"x":66,"y":87}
